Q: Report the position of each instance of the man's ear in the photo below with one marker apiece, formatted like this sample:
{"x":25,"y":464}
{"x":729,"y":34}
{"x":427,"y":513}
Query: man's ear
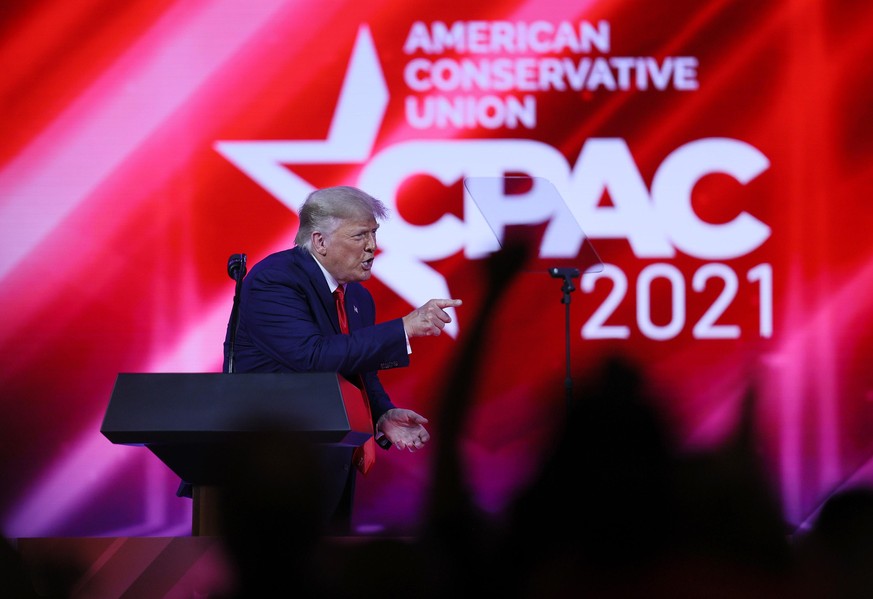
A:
{"x":319,"y":243}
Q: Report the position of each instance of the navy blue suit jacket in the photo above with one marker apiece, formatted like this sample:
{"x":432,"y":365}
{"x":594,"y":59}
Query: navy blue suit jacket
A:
{"x":288,"y":323}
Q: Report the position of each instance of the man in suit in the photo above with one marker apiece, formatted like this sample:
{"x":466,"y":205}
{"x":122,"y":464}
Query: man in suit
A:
{"x":288,"y":322}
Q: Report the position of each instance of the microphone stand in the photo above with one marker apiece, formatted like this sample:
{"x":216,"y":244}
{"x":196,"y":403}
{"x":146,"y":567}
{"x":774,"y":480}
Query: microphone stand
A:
{"x":567,"y":275}
{"x":236,"y":269}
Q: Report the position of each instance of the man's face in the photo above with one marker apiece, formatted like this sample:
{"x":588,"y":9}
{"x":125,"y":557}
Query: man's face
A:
{"x":348,"y":252}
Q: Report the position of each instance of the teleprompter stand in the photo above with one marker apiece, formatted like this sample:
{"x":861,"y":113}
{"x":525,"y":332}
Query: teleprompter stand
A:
{"x":530,"y":211}
{"x":567,"y":274}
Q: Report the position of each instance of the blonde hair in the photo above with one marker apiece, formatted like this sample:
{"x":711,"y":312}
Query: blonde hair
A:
{"x":324,"y":210}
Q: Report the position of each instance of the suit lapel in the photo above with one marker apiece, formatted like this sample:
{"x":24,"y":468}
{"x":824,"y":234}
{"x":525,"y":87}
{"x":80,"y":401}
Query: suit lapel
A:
{"x":353,"y":308}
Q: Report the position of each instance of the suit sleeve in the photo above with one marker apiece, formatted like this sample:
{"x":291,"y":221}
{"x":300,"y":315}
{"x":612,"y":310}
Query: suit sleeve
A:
{"x":287,"y":320}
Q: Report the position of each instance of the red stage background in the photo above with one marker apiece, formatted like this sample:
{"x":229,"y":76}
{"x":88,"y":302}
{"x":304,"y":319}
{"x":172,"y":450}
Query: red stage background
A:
{"x":717,"y":154}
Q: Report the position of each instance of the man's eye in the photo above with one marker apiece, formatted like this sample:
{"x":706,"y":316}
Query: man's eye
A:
{"x":363,"y":236}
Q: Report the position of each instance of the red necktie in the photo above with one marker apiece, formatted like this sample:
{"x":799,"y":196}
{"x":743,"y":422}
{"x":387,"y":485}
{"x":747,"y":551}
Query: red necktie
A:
{"x":359,"y":413}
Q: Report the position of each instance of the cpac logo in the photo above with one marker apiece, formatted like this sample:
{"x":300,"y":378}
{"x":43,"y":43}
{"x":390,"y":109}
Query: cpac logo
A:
{"x":655,"y":222}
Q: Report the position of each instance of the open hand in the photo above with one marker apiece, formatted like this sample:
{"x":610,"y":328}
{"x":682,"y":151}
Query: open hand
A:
{"x":404,"y":428}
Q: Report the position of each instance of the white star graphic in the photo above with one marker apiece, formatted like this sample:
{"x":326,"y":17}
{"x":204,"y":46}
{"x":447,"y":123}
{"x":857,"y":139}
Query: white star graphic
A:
{"x":356,"y":122}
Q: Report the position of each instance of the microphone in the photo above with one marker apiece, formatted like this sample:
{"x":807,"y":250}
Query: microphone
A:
{"x":236,"y":266}
{"x":567,"y":273}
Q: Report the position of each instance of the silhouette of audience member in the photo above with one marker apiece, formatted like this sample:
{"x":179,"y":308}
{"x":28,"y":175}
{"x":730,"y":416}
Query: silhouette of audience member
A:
{"x":270,"y":515}
{"x":619,"y":510}
{"x":458,"y":539}
{"x":597,"y":513}
{"x":730,"y":533}
{"x":836,"y":554}
{"x":15,"y":582}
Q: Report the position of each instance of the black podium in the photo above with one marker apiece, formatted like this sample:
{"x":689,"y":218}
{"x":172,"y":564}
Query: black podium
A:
{"x":191,"y":420}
